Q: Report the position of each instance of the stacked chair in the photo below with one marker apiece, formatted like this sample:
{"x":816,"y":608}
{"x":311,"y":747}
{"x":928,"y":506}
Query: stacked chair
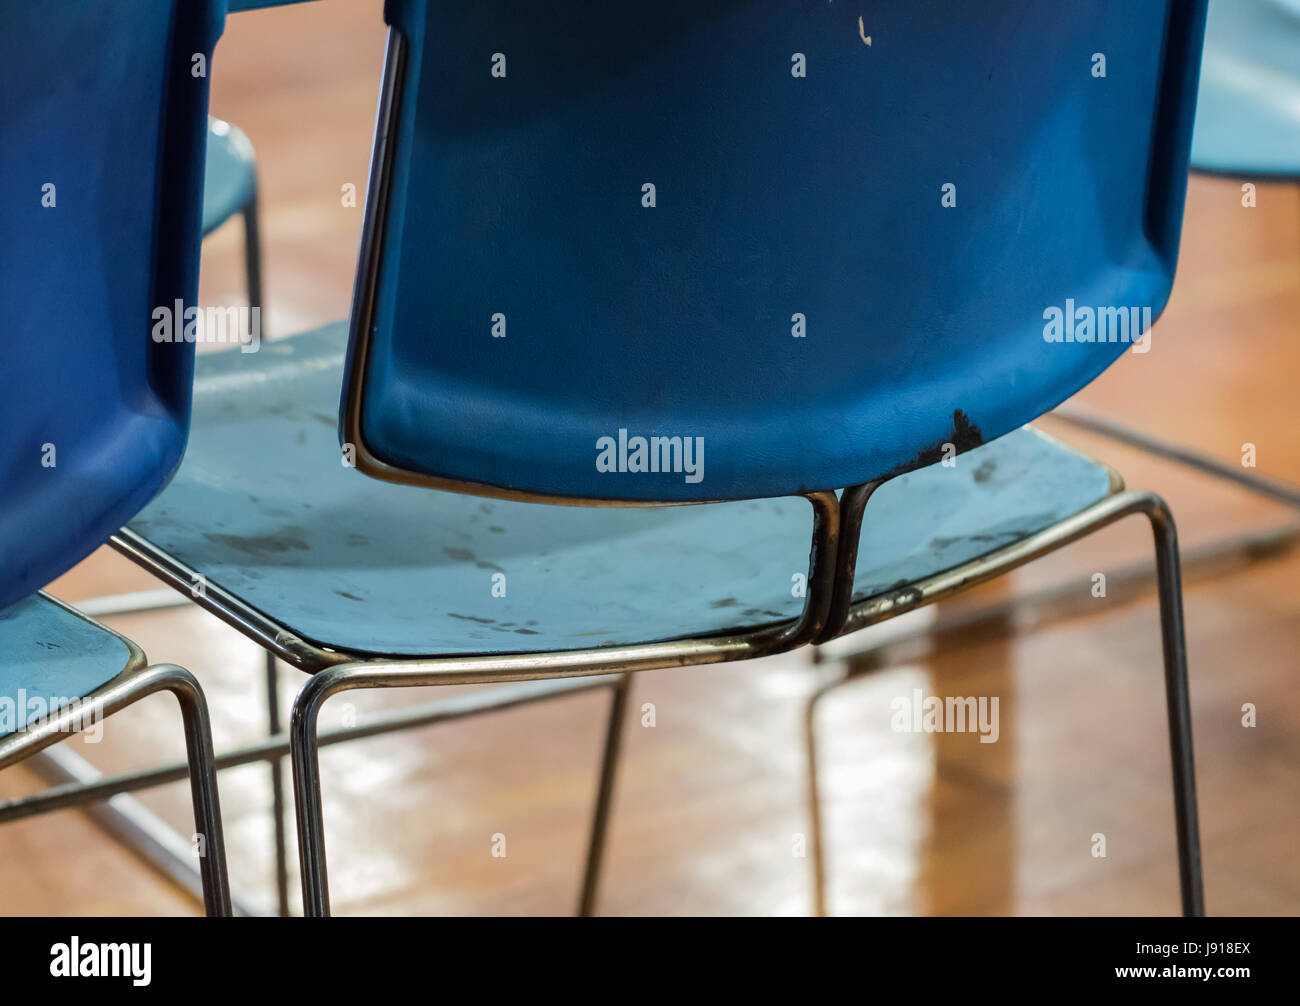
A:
{"x":676,"y":339}
{"x":103,"y":128}
{"x":634,"y":291}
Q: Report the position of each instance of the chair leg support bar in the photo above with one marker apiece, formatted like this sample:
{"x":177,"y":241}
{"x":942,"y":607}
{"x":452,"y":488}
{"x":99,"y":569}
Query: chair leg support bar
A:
{"x":79,"y":793}
{"x":618,"y":704}
{"x":1178,"y":701}
{"x":305,"y":753}
{"x":816,"y":838}
{"x":277,"y":789}
{"x":203,"y":789}
{"x":304,"y":749}
{"x":253,"y":257}
{"x":1177,"y":697}
{"x":127,"y":688}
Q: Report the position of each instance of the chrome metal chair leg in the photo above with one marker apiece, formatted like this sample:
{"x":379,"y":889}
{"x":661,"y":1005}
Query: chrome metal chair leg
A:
{"x":304,"y":747}
{"x":817,"y":839}
{"x":305,"y":753}
{"x":1174,"y":645}
{"x":618,"y":704}
{"x":1177,"y":696}
{"x":277,"y":789}
{"x":122,"y":691}
{"x":203,"y":787}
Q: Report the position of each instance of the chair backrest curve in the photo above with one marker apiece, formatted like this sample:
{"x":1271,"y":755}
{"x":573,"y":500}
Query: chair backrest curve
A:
{"x":679,"y":251}
{"x":103,"y":115}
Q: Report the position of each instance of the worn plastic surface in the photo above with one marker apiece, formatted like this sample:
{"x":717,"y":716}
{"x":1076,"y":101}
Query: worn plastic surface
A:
{"x":522,"y":195}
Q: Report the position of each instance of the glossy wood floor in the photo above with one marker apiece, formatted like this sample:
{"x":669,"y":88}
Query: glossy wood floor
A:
{"x":711,"y":798}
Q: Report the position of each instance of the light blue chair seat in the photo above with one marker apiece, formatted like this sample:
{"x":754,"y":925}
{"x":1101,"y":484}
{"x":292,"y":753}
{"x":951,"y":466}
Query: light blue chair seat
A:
{"x":937,"y":518}
{"x":230,"y":174}
{"x":264,"y":508}
{"x":1248,"y":106}
{"x":49,"y":654}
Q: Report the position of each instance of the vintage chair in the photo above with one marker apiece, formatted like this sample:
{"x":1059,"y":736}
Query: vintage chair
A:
{"x":803,"y":251}
{"x":102,"y":173}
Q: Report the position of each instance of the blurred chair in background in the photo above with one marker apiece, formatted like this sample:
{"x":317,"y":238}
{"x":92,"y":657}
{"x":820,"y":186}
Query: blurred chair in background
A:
{"x":1247,"y":127}
{"x":230,"y":188}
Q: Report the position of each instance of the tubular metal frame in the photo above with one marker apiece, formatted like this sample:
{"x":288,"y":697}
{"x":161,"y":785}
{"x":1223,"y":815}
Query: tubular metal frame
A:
{"x":1118,"y":505}
{"x":136,"y":681}
{"x":276,"y":747}
{"x":76,"y":793}
{"x":277,"y":788}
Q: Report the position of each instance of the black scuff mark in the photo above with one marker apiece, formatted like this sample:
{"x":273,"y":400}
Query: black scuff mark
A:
{"x":965,"y":436}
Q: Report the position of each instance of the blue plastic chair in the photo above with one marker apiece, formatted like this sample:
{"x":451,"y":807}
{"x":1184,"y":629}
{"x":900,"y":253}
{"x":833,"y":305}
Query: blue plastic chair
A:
{"x":102,"y":172}
{"x":585,"y":228}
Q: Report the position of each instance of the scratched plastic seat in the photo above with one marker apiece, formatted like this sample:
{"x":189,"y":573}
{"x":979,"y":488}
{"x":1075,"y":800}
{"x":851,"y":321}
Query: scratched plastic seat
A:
{"x":370,"y":568}
{"x":102,"y":174}
{"x":804,"y":252}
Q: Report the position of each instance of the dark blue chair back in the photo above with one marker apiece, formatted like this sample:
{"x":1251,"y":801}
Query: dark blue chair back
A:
{"x":102,"y":126}
{"x":797,"y":300}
